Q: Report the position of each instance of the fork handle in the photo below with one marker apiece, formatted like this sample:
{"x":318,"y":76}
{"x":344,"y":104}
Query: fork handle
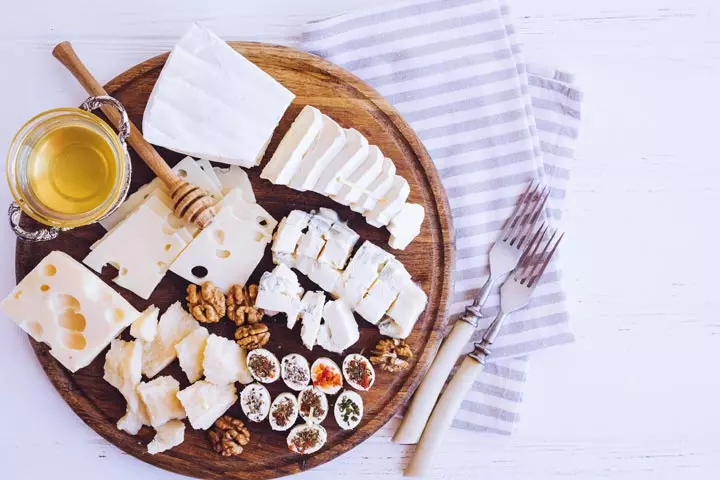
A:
{"x":442,"y":417}
{"x":427,"y":393}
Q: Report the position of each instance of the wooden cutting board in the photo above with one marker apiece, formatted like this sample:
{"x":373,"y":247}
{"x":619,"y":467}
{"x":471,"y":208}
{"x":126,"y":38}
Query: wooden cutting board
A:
{"x":430,"y":260}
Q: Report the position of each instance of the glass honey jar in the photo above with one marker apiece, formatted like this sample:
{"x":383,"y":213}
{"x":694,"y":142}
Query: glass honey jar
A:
{"x":67,"y":168}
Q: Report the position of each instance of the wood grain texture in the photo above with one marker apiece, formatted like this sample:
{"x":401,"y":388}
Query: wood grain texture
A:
{"x":430,"y":259}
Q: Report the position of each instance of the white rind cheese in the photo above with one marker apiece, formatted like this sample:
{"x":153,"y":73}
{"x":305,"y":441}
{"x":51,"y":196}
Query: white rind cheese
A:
{"x":225,"y":253}
{"x":145,"y":327}
{"x":339,"y":329}
{"x":167,"y":436}
{"x":142,"y":267}
{"x":405,"y":226}
{"x":280,"y":291}
{"x":160,"y":398}
{"x":191,"y":352}
{"x":377,"y":189}
{"x":205,"y":402}
{"x":328,"y":143}
{"x":213,"y":103}
{"x":360,"y":179}
{"x":354,"y":151}
{"x":66,"y":306}
{"x":174,"y":325}
{"x":289,"y":154}
{"x":391,"y":204}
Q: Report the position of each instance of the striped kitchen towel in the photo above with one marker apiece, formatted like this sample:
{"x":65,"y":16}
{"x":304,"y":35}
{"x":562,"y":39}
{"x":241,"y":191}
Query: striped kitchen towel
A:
{"x":455,"y":71}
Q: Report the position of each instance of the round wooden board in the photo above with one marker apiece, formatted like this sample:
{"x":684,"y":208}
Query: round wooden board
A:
{"x":430,"y":260}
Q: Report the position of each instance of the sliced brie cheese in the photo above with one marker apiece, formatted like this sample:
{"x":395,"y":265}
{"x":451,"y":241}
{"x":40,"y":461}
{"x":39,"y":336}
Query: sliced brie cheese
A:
{"x":361,"y":273}
{"x":167,"y":436}
{"x":160,"y":398}
{"x":339,"y":329}
{"x":311,"y":313}
{"x":354,"y":151}
{"x":174,"y":325}
{"x":235,"y":177}
{"x":405,"y":226}
{"x":329,"y":142}
{"x":403,"y":314}
{"x":280,"y":291}
{"x":244,"y":210}
{"x":205,"y":402}
{"x":66,"y":306}
{"x":211,"y":102}
{"x":289,"y":154}
{"x":377,"y":189}
{"x":142,"y":267}
{"x":373,"y":306}
{"x":191,"y":352}
{"x":360,"y":179}
{"x":145,"y":327}
{"x":190,"y":170}
{"x":225,"y":253}
{"x":390,"y":205}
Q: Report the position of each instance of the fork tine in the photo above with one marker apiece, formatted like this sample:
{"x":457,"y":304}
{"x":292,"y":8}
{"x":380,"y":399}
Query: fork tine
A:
{"x":520,"y":220}
{"x":534,"y":216}
{"x":522,"y":201}
{"x":526,"y":260}
{"x":544,"y":260}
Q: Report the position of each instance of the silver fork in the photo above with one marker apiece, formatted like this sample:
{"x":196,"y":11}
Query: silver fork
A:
{"x":504,"y":255}
{"x":515,"y":293}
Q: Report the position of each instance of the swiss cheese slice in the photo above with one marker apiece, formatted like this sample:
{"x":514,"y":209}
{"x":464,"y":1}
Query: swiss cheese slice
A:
{"x":65,"y":305}
{"x":234,"y":177}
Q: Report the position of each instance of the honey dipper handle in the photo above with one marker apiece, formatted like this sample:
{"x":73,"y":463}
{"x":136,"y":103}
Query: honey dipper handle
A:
{"x":65,"y":53}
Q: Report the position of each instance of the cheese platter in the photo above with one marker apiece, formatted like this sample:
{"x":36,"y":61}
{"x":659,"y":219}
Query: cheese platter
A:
{"x":324,"y":276}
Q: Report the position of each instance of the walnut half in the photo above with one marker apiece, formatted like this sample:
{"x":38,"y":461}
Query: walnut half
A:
{"x":251,"y":337}
{"x":206,"y":305}
{"x":241,"y":305}
{"x":391,"y":355}
{"x":228,"y":436}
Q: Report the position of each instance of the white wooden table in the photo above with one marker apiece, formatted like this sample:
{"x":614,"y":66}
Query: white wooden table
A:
{"x":638,"y":395}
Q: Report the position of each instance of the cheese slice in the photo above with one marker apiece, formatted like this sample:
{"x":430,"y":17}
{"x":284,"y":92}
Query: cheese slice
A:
{"x":145,"y":327}
{"x":205,"y":402}
{"x":311,"y":313}
{"x":405,"y":226}
{"x":289,"y":154}
{"x":174,"y":325}
{"x":390,"y":205}
{"x":361,"y":273}
{"x":167,"y":436}
{"x":377,"y":189}
{"x":191,"y":352}
{"x":160,"y":398}
{"x":360,"y":179}
{"x":209,"y":170}
{"x":123,"y":370}
{"x":329,"y":142}
{"x":339,"y":330}
{"x":373,"y":306}
{"x":211,"y":102}
{"x":64,"y":305}
{"x":155,"y":245}
{"x":225,"y":253}
{"x":190,"y":170}
{"x":404,"y":313}
{"x":223,"y":362}
{"x":244,"y":210}
{"x":354,"y":151}
{"x":280,"y":291}
{"x":235,"y":177}
{"x":131,"y":203}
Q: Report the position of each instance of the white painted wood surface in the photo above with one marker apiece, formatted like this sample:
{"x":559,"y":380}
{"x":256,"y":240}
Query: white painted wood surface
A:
{"x":638,"y":395}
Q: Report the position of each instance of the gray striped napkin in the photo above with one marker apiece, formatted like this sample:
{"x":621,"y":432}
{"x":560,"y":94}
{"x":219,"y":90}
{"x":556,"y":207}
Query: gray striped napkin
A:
{"x":455,"y":71}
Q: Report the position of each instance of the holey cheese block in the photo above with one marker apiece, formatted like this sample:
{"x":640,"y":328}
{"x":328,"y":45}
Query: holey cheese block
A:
{"x":428,"y":259}
{"x":63,"y":304}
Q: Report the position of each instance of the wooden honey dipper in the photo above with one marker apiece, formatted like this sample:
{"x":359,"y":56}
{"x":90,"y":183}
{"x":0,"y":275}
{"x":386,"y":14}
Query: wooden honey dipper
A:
{"x":191,"y":203}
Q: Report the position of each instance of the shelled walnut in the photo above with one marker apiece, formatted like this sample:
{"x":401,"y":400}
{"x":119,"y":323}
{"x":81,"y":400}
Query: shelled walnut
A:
{"x":228,"y":436}
{"x":253,"y":336}
{"x":208,"y":304}
{"x":241,"y":305}
{"x":391,"y":355}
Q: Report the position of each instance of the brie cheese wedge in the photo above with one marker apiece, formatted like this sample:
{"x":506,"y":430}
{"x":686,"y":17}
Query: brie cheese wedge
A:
{"x":289,"y":154}
{"x":329,"y":142}
{"x":405,"y":226}
{"x":360,"y":179}
{"x":354,"y":151}
{"x":390,"y":205}
{"x":213,"y":103}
